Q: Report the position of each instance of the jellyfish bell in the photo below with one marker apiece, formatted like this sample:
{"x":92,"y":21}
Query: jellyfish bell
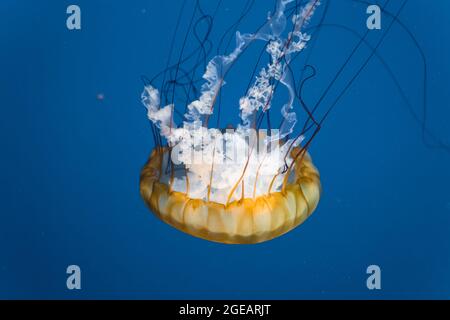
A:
{"x":248,"y":218}
{"x":235,"y":185}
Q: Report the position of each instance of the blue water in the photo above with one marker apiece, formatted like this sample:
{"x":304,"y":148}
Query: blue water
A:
{"x":70,"y":162}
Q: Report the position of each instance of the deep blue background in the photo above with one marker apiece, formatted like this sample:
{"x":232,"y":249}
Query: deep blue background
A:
{"x":70,"y":164}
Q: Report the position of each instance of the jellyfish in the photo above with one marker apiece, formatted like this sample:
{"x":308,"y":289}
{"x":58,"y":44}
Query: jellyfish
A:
{"x":243,"y":184}
{"x":255,"y":180}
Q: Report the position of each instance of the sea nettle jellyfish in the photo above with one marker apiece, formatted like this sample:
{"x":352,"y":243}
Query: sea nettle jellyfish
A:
{"x":254,"y":180}
{"x":243,"y":183}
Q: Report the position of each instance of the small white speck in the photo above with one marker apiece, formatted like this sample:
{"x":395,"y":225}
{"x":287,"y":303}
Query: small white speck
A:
{"x":100,"y":96}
